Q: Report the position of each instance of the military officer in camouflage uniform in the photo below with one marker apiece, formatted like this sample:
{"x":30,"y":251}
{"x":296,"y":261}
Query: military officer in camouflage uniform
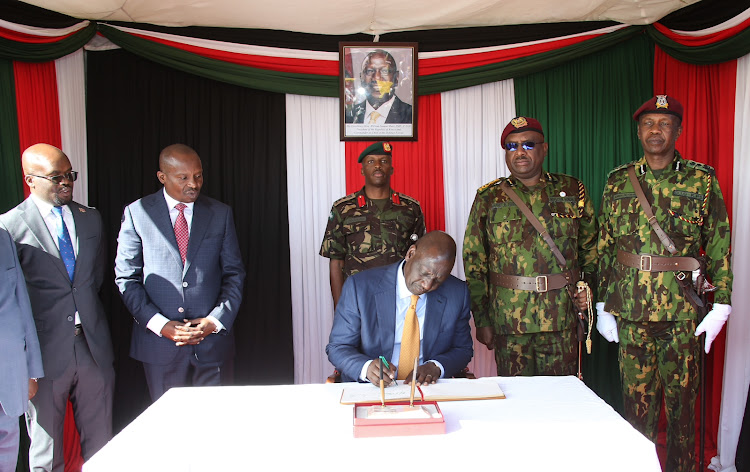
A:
{"x":520,"y":294}
{"x":657,"y":326}
{"x":372,"y":227}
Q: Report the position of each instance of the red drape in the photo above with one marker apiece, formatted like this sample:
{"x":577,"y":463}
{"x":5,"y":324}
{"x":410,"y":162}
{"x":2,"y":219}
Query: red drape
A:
{"x":708,"y":96}
{"x":39,"y":122}
{"x":417,"y":165}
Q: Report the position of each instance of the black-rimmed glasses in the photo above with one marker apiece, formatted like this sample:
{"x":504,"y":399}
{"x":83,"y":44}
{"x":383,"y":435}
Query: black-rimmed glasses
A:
{"x":58,"y":179}
{"x":527,"y":145}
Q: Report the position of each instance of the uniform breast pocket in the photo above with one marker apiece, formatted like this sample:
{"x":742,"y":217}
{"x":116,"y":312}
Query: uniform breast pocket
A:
{"x":505,"y":224}
{"x":398,"y":229}
{"x":565,"y":220}
{"x":685,"y":217}
{"x":626,"y":214}
{"x":358,"y":234}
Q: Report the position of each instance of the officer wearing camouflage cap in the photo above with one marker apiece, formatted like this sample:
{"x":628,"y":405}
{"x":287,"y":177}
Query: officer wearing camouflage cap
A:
{"x":640,"y":277}
{"x":519,"y":289}
{"x":372,"y":227}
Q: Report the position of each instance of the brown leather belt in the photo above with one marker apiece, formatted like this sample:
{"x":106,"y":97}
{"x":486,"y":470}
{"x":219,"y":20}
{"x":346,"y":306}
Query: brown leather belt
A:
{"x":649,"y":263}
{"x":539,"y":284}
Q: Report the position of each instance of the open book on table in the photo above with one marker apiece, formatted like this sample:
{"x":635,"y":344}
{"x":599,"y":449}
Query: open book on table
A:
{"x":443,"y":390}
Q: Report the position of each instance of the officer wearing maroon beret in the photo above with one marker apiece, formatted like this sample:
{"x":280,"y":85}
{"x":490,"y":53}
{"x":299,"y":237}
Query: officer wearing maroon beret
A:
{"x":650,"y":275}
{"x":523,"y":295}
{"x":372,"y":227}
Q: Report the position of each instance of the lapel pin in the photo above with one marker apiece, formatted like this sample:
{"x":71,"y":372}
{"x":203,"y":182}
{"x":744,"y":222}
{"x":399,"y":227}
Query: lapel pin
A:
{"x":82,"y":210}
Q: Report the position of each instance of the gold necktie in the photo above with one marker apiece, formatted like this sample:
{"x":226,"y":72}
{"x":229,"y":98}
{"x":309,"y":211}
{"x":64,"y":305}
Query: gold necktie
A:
{"x":409,"y":340}
{"x":374,"y":117}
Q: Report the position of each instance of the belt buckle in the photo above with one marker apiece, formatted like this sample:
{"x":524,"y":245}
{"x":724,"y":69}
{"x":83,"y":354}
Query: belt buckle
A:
{"x":543,"y":279}
{"x":645,"y":263}
{"x":681,"y":275}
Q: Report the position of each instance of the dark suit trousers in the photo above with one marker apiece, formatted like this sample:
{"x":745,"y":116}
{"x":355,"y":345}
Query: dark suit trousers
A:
{"x":90,"y":388}
{"x":184,"y":371}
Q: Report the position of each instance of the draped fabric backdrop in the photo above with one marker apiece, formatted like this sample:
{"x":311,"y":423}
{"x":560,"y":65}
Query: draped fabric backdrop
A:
{"x":277,"y":160}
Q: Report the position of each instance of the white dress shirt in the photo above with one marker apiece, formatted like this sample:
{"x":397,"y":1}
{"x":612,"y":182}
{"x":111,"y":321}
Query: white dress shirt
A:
{"x":403,"y":300}
{"x":53,"y":222}
{"x":158,"y":321}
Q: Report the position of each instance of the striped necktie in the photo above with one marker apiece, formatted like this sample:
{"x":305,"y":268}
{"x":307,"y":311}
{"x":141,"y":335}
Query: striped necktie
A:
{"x":66,"y":246}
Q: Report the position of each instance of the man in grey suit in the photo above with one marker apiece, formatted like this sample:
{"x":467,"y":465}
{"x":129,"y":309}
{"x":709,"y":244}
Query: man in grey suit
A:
{"x":60,"y":245}
{"x":20,"y":358}
{"x":180,"y":273}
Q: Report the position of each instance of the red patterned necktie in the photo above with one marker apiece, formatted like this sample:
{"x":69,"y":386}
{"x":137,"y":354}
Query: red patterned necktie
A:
{"x":181,"y":231}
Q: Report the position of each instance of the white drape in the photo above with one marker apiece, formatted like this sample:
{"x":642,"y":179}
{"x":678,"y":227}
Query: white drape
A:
{"x":71,"y":95}
{"x":737,"y":355}
{"x":315,"y":179}
{"x":473,"y":119}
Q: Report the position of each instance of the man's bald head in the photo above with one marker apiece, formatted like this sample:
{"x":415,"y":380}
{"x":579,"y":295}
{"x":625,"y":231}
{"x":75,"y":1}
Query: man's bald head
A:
{"x":429,"y":262}
{"x":42,"y":164}
{"x":181,"y":172}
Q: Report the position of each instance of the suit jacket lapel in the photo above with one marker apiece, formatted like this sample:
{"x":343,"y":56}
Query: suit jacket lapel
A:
{"x":433,"y":319}
{"x":201,"y":218}
{"x":83,"y":231}
{"x":385,"y":302}
{"x":39,"y":229}
{"x":156,"y":208}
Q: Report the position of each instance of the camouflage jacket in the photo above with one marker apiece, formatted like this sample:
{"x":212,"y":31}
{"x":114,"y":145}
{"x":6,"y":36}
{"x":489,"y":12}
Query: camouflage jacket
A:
{"x":687,"y":204}
{"x":500,"y":239}
{"x":365,"y":237}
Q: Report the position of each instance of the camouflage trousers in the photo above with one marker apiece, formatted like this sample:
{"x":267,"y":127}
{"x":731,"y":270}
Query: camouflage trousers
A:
{"x":545,"y":353}
{"x":661,"y":359}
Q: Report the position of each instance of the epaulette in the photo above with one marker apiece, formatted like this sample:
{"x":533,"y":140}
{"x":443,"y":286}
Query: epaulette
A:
{"x":619,"y":168}
{"x":351,"y":196}
{"x":490,"y":184}
{"x":409,"y":199}
{"x":550,"y":177}
{"x":700,"y":166}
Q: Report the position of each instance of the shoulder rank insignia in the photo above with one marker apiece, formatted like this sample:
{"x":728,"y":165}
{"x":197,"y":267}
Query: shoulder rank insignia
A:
{"x":408,"y":198}
{"x":343,"y":199}
{"x":489,"y":184}
{"x":619,"y":168}
{"x":700,"y":166}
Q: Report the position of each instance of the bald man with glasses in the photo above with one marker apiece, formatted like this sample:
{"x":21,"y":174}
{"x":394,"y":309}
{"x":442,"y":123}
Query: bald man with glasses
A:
{"x":522,"y":281}
{"x":61,"y":248}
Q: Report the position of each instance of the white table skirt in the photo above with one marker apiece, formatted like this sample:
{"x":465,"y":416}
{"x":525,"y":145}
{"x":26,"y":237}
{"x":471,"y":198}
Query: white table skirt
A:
{"x":544,"y":424}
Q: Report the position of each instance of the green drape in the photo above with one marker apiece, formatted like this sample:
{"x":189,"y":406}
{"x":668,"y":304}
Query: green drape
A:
{"x":729,"y":49}
{"x":259,"y":79}
{"x":41,"y":52}
{"x":11,"y":185}
{"x":586,"y":107}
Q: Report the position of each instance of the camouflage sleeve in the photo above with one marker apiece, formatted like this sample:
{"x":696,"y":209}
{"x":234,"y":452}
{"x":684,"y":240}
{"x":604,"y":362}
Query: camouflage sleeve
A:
{"x":716,"y":239}
{"x":419,"y":227}
{"x":606,"y":244}
{"x":475,"y":262}
{"x":587,"y":238}
{"x":334,"y":242}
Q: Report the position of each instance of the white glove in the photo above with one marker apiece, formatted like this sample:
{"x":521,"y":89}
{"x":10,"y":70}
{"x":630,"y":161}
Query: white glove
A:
{"x":606,"y":324}
{"x":712,"y":323}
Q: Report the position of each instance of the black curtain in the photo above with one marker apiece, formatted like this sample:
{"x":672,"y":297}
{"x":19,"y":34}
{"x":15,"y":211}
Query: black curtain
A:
{"x":134,"y":109}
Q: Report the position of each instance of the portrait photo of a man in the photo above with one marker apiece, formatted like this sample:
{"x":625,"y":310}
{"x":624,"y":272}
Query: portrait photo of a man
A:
{"x":378,"y":91}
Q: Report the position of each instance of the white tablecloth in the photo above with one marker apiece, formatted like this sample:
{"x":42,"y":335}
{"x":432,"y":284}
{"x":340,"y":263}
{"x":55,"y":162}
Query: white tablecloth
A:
{"x":544,"y":424}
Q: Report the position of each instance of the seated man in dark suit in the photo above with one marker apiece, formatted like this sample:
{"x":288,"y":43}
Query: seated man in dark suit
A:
{"x":377,"y":316}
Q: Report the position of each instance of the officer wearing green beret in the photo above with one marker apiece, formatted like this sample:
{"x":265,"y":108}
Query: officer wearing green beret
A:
{"x":646,"y":281}
{"x":523,"y":295}
{"x":372,"y":227}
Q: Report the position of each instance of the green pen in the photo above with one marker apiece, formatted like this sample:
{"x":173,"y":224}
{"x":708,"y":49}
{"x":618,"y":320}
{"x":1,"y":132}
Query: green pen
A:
{"x":385,"y":362}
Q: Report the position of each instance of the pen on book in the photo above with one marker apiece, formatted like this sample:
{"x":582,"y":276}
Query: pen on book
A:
{"x":413,"y":383}
{"x":383,"y":361}
{"x":382,"y":386}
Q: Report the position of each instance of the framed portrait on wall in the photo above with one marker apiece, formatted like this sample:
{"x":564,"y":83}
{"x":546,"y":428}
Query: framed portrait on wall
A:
{"x":378,"y":91}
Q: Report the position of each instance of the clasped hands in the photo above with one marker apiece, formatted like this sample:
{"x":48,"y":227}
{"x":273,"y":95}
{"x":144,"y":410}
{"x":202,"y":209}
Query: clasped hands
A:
{"x":189,"y":332}
{"x":427,"y":373}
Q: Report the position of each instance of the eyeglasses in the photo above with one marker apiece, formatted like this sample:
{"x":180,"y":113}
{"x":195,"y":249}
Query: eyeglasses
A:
{"x":58,"y":179}
{"x":527,"y":145}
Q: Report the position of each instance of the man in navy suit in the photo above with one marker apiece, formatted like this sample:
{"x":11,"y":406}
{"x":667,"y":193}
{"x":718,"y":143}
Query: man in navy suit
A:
{"x":20,"y":357}
{"x":180,"y":273}
{"x":371,"y":313}
{"x":61,"y":248}
{"x":379,"y":79}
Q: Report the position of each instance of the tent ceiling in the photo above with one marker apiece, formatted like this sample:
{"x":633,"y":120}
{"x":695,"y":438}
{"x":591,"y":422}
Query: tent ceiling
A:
{"x":362,"y":16}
